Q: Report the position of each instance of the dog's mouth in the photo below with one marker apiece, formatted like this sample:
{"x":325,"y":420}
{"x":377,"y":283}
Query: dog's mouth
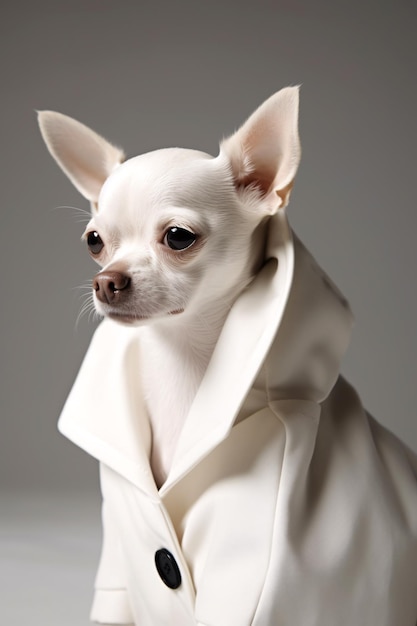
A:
{"x":126,"y":318}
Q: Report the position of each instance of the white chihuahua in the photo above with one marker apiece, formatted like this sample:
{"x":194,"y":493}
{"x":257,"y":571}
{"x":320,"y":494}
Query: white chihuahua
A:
{"x":239,"y":471}
{"x":179,"y":234}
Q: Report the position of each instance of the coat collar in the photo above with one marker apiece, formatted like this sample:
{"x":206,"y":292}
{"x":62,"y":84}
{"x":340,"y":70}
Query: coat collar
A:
{"x":241,"y":348}
{"x":283,"y":338}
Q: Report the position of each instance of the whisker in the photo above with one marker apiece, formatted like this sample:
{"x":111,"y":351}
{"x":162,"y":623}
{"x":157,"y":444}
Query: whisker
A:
{"x":86,"y":215}
{"x":86,"y":309}
{"x":87,"y":286}
{"x":73,"y":208}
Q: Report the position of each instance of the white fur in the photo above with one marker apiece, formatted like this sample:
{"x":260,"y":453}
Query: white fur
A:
{"x":182,"y":298}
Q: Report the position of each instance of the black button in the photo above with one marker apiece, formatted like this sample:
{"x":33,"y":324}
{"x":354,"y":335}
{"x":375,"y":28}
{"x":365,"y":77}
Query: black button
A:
{"x":167,"y":568}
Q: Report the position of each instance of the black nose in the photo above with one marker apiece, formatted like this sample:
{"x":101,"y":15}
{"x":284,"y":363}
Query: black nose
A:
{"x":109,"y":285}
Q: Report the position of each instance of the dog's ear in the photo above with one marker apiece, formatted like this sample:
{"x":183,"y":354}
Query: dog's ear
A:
{"x":265,"y":152}
{"x":85,"y":157}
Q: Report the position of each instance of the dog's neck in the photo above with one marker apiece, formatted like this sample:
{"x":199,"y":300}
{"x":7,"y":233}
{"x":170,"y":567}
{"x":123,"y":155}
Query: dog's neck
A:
{"x":177,"y":351}
{"x":175,"y":358}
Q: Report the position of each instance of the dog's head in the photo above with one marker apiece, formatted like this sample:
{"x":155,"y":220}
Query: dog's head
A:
{"x":177,"y":232}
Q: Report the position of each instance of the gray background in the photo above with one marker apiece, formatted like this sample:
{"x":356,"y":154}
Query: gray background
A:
{"x":155,"y":74}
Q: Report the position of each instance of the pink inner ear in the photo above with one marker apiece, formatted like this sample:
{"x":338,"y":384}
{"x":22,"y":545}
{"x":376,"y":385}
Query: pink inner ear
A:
{"x":261,"y":157}
{"x":250,"y":169}
{"x":262,"y":180}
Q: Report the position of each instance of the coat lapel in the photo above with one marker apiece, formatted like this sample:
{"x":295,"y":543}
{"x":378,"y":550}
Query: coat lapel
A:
{"x":105,"y":412}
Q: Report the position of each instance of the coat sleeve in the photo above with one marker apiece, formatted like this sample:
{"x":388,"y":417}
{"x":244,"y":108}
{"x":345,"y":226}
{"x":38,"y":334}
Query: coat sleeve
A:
{"x":111,"y":602}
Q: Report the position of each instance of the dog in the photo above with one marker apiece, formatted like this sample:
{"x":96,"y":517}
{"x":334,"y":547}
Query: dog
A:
{"x":239,"y":470}
{"x":179,"y":236}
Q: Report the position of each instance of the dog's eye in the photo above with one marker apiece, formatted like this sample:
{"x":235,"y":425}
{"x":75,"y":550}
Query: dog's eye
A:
{"x":94,"y":242}
{"x":179,"y":238}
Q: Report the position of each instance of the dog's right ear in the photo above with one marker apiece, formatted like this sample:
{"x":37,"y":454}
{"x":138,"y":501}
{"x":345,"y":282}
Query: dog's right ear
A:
{"x":86,"y":158}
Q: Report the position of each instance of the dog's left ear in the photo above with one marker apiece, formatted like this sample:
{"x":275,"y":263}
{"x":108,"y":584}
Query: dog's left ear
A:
{"x":265,"y":152}
{"x":86,"y":158}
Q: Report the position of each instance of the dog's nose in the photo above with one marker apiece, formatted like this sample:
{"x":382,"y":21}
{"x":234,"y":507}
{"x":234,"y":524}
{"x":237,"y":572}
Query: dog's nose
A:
{"x":108,"y":285}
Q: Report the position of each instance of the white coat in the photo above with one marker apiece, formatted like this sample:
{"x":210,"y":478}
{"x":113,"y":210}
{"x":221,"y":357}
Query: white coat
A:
{"x":286,"y":505}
